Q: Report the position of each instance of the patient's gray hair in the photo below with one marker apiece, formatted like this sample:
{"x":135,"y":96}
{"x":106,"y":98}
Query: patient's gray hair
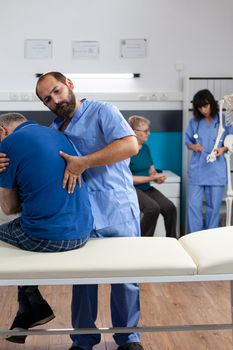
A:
{"x":7,"y":118}
{"x":136,"y":121}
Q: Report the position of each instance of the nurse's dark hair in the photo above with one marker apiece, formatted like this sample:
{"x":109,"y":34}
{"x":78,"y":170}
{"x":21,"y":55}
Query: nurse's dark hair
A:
{"x":7,"y":118}
{"x":201,"y":99}
{"x":57,"y":75}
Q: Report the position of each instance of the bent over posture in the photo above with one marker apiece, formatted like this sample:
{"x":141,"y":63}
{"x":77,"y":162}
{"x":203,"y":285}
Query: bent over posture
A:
{"x":51,"y":220}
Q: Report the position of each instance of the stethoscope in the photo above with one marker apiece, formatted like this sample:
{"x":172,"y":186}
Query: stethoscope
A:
{"x":195,"y":134}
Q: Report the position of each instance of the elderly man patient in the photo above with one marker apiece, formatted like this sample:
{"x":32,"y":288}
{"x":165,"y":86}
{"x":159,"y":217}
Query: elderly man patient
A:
{"x":51,"y":219}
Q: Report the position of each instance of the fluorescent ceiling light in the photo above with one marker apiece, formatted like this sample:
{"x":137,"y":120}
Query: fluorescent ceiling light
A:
{"x":102,"y":75}
{"x":99,"y":75}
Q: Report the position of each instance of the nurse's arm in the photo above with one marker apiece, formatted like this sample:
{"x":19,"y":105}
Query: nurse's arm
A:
{"x":114,"y":152}
{"x":9,"y":201}
{"x":195,"y":147}
{"x":220,"y":151}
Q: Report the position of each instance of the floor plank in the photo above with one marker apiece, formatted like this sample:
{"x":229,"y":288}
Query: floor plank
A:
{"x":161,"y":304}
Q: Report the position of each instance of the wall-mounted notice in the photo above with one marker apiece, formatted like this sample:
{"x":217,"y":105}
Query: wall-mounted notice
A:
{"x":85,"y":49}
{"x":38,"y":48}
{"x":133,"y":48}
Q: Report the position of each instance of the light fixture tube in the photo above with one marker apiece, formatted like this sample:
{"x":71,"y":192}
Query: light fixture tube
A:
{"x":99,"y":75}
{"x":102,"y":75}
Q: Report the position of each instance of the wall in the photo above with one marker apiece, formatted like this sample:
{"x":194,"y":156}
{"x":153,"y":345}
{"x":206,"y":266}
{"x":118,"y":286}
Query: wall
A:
{"x":197,"y":34}
{"x":166,"y":149}
{"x":165,"y":140}
{"x":185,"y":38}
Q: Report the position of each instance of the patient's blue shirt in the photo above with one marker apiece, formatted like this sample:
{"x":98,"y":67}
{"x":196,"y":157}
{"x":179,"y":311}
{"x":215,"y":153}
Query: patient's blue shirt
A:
{"x":37,"y":170}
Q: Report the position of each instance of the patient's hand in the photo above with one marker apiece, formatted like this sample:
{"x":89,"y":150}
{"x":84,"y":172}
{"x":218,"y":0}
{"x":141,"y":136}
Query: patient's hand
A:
{"x":4,"y":162}
{"x":158,"y":178}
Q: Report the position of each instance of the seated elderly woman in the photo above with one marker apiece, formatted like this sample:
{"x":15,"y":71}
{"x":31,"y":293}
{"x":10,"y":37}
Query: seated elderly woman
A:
{"x":151,"y":201}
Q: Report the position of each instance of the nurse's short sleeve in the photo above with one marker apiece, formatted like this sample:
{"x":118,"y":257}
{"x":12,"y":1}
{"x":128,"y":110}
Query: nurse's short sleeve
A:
{"x":189,"y":133}
{"x":112,"y":123}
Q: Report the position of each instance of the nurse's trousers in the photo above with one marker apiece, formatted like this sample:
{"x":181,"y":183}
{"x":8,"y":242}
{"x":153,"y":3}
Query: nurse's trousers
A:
{"x":124,"y":299}
{"x":202,"y":217}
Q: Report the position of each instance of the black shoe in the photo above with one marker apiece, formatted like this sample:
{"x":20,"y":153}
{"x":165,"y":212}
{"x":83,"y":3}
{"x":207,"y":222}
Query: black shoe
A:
{"x":130,"y":346}
{"x":39,"y":314}
{"x":20,"y":323}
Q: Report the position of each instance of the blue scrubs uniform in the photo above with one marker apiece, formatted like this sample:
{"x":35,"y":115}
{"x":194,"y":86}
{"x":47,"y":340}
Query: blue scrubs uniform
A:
{"x":116,"y":213}
{"x":206,"y":180}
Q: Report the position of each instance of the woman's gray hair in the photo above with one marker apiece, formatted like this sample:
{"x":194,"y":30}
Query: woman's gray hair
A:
{"x":136,"y":121}
{"x":8,"y":118}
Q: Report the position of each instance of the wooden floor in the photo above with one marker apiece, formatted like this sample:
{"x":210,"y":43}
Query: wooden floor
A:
{"x":161,"y":304}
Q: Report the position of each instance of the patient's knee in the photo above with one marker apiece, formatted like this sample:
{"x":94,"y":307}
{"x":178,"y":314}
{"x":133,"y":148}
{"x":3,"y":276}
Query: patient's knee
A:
{"x":152,"y":209}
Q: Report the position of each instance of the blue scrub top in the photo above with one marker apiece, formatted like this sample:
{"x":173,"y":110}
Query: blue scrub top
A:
{"x":200,"y":172}
{"x":112,"y":195}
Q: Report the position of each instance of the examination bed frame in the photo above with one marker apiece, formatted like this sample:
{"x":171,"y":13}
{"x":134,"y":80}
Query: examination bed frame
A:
{"x":201,"y":256}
